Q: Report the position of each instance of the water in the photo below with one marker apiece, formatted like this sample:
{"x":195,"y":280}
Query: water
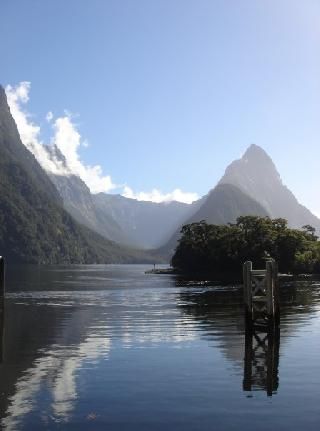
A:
{"x":110,"y":348}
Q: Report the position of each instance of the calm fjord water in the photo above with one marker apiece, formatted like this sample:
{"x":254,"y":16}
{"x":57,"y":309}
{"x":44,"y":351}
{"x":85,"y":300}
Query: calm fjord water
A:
{"x":110,"y":348}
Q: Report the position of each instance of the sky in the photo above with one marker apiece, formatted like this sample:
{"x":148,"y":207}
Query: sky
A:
{"x":154,"y":98}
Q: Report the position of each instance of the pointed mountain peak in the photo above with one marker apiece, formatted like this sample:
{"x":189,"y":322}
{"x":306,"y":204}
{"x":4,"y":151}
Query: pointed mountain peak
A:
{"x":254,"y":152}
{"x":255,"y":165}
{"x":257,"y":176}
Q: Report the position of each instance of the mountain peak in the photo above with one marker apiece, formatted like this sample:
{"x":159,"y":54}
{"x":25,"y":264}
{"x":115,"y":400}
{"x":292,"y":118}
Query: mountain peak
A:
{"x":257,"y":176}
{"x":255,"y":165}
{"x":255,"y":151}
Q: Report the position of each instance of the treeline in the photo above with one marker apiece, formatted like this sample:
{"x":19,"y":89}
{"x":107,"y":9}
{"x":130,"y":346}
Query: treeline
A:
{"x":222,"y":249}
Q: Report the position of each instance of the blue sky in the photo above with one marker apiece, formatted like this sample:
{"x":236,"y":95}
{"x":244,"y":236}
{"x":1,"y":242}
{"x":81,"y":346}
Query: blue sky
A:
{"x":167,"y":93}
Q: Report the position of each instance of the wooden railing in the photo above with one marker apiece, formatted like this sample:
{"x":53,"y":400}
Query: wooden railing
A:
{"x":262,"y":313}
{"x":261,"y":296}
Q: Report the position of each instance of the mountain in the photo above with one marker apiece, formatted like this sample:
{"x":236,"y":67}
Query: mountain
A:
{"x":224,"y":204}
{"x":256,"y":175}
{"x":34,"y":228}
{"x":127,"y":221}
{"x":81,"y":205}
{"x":146,"y":224}
{"x":250,"y":186}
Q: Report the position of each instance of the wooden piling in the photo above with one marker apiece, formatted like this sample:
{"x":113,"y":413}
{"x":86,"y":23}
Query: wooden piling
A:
{"x":247,"y":290}
{"x":261,"y":292}
{"x":269,"y":288}
{"x":2,"y":280}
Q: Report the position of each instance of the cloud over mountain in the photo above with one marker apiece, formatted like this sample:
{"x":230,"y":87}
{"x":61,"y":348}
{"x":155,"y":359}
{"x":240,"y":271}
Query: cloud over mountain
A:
{"x":65,"y":137}
{"x":67,"y":141}
{"x":157,"y":196}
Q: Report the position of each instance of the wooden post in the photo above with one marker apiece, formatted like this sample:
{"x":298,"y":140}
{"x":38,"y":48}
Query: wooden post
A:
{"x":247,"y":290}
{"x":276,"y":299}
{"x":2,"y":280}
{"x":269,"y":288}
{"x":261,"y":293}
{"x":272,"y":290}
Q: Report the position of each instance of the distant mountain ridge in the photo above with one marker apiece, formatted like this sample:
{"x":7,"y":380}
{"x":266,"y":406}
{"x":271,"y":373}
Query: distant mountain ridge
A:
{"x":127,"y":221}
{"x":34,"y":228}
{"x":147,"y":224}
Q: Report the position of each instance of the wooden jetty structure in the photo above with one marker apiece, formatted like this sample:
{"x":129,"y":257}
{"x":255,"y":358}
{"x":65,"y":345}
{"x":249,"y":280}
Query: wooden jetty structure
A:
{"x":261,"y":359}
{"x":261,"y":293}
{"x":262,"y":318}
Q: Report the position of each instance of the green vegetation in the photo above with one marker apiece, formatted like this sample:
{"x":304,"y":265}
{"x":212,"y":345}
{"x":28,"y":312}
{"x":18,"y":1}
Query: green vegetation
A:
{"x":222,"y":249}
{"x":34,"y":228}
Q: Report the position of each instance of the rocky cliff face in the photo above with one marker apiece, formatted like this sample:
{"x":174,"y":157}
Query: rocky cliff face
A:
{"x":34,"y":228}
{"x":81,"y":204}
{"x":257,"y":176}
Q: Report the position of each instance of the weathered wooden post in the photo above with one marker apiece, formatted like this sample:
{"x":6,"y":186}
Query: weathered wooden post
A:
{"x":262,"y":313}
{"x":2,"y":269}
{"x":261,"y":297}
{"x":272,"y":289}
{"x":247,"y":290}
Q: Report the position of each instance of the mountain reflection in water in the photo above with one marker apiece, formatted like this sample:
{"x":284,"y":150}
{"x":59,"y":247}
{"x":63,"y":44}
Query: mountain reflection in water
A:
{"x":84,"y":344}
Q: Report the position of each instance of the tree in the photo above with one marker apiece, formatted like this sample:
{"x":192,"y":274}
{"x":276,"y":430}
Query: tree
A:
{"x":223,"y":248}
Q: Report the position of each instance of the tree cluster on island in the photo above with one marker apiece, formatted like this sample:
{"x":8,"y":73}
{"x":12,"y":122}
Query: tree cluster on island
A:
{"x":222,"y":249}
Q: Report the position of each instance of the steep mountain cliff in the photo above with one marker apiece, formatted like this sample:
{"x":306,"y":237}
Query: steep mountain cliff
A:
{"x":34,"y":228}
{"x":256,"y":175}
{"x":81,"y":204}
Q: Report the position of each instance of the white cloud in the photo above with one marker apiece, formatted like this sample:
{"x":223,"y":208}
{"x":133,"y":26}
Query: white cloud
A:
{"x":157,"y":196}
{"x":30,"y":132}
{"x":66,"y":137}
{"x":68,"y":141}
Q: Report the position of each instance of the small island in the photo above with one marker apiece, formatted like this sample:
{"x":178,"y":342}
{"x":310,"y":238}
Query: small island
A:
{"x":222,"y":249}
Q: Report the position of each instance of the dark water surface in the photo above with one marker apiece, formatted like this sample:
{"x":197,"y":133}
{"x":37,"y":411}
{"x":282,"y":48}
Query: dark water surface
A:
{"x":110,"y":348}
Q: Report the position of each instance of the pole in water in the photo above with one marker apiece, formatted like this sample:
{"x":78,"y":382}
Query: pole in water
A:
{"x":261,"y":292}
{"x":2,"y":270}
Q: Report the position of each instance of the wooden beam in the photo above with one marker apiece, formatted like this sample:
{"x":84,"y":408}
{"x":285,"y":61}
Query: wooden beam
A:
{"x":247,"y":288}
{"x":2,"y":279}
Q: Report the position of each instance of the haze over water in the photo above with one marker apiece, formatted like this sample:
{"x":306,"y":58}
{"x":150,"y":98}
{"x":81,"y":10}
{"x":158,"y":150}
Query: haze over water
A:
{"x":108,"y":347}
